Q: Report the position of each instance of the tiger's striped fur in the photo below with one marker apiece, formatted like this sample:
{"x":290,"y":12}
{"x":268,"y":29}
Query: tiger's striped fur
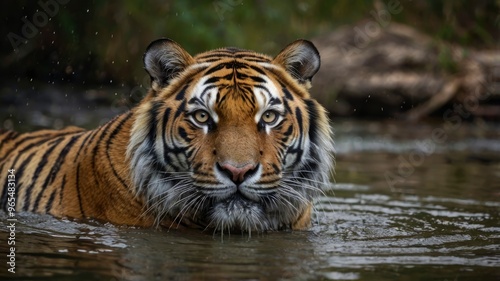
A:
{"x":228,"y":140}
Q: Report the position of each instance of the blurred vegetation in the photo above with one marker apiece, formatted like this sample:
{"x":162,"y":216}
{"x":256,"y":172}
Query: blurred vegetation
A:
{"x":102,"y":42}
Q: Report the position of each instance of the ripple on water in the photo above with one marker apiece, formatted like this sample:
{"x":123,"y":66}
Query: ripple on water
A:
{"x":374,"y":229}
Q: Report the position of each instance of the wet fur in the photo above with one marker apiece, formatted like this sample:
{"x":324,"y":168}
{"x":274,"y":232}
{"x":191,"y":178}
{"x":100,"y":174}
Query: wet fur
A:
{"x":154,"y":165}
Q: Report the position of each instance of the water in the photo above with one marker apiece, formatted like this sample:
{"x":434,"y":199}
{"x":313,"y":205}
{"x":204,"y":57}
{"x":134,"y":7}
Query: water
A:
{"x":436,"y":218}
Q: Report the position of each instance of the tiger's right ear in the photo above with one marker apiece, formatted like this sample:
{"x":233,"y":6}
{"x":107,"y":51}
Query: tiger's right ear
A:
{"x":301,"y":60}
{"x":164,"y":60}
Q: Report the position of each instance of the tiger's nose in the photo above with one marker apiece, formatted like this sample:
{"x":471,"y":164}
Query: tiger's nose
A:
{"x":237,"y":174}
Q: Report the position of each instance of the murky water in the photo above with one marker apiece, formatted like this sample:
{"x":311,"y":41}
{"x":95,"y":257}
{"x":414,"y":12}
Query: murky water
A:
{"x":404,"y":206}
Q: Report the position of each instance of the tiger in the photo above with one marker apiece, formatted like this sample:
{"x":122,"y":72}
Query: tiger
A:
{"x":228,"y":140}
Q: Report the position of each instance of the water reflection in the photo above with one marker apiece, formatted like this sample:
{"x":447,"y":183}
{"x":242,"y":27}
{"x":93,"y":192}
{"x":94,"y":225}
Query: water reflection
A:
{"x":441,"y":222}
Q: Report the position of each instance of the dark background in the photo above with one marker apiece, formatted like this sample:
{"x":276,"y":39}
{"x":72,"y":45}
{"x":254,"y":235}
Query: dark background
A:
{"x":95,"y":48}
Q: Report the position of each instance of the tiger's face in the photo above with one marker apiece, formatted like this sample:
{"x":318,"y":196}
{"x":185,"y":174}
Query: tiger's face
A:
{"x":230,"y":139}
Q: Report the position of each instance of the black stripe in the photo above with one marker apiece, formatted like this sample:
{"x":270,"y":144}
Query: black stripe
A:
{"x":228,"y":77}
{"x":95,"y":150}
{"x":251,"y":57}
{"x":287,"y":93}
{"x":19,"y":176}
{"x":221,"y":100}
{"x":60,"y":159}
{"x":153,"y":123}
{"x":182,"y":93}
{"x":258,"y":69}
{"x":108,"y":143}
{"x":297,"y":151}
{"x":84,"y":142}
{"x":165,"y":120}
{"x":265,"y":89}
{"x":313,"y":121}
{"x":180,"y":109}
{"x":257,"y":79}
{"x":36,"y":174}
{"x":255,"y":59}
{"x":219,"y":55}
{"x":21,"y":153}
{"x":18,"y":143}
{"x":61,"y":190}
{"x":311,"y":167}
{"x":208,"y":88}
{"x":163,"y":133}
{"x":212,"y":80}
{"x":287,"y":134}
{"x":48,"y":206}
{"x":275,"y":101}
{"x":55,"y":168}
{"x":276,"y":169}
{"x":183,"y":134}
{"x":287,"y":106}
{"x":214,"y":69}
{"x":79,"y":196}
{"x":10,"y":135}
{"x":211,"y":60}
{"x":298,"y":115}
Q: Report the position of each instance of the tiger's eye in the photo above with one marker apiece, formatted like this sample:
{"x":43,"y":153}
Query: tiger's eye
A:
{"x":269,"y":117}
{"x":201,"y":116}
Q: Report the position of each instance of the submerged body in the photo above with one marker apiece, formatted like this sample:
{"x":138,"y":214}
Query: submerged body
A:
{"x":228,"y":139}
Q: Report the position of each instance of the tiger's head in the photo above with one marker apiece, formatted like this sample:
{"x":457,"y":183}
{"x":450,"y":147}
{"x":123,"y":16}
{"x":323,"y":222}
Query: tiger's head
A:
{"x":230,"y":139}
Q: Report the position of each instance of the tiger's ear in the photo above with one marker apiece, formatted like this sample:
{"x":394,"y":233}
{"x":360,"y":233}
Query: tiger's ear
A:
{"x":300,"y":59}
{"x":164,"y":60}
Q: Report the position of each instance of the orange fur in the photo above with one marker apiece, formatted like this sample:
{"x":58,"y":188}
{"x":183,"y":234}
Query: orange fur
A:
{"x":121,"y":171}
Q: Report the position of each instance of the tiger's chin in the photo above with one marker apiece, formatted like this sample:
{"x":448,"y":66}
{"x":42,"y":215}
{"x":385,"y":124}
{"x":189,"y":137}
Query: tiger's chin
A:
{"x":238,"y":214}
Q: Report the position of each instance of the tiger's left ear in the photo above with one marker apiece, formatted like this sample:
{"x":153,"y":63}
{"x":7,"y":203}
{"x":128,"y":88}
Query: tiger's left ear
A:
{"x":300,"y":59}
{"x":164,"y":60}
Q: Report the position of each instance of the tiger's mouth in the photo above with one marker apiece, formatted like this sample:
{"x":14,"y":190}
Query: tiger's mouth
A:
{"x":238,"y":213}
{"x":253,"y":206}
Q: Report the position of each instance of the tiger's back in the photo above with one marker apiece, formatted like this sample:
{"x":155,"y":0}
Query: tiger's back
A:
{"x":228,"y":139}
{"x":68,"y":173}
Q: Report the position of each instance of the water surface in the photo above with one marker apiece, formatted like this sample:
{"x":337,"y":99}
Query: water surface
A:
{"x":394,"y":211}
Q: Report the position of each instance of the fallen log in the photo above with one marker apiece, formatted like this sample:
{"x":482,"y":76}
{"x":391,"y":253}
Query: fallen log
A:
{"x":402,"y":72}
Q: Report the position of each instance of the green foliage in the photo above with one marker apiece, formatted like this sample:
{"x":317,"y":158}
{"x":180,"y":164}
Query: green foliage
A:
{"x":103,"y":41}
{"x":446,"y":61}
